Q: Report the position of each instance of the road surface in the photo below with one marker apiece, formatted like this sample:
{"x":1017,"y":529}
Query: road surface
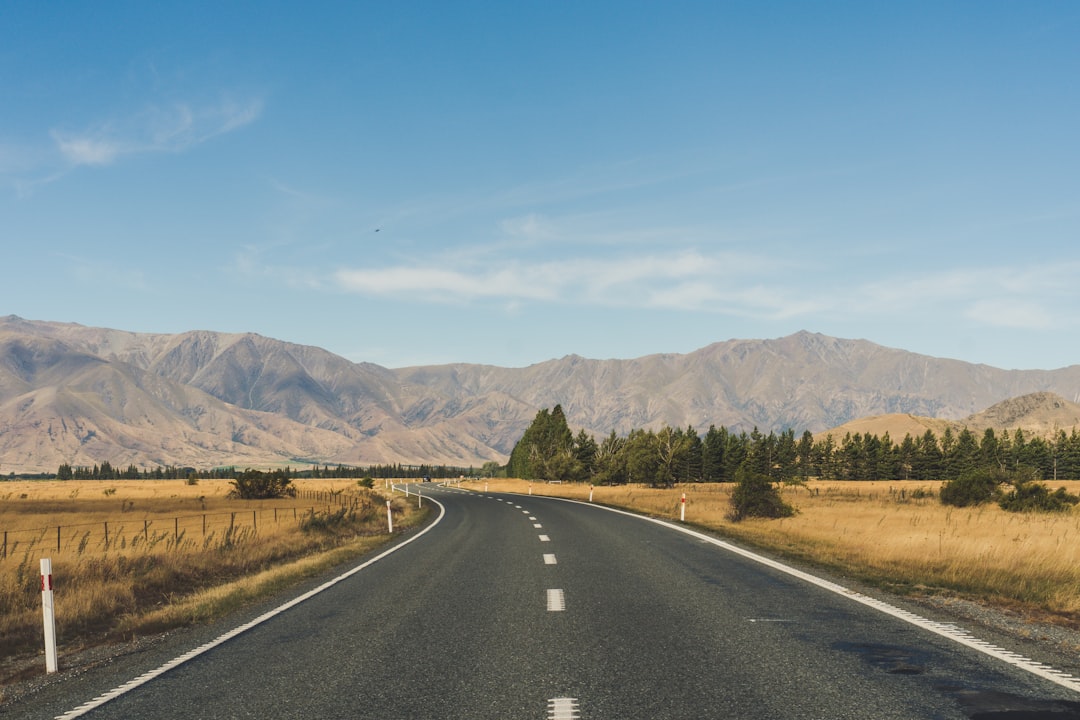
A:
{"x":520,"y":607}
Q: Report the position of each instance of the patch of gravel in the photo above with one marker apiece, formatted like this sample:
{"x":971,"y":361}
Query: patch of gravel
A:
{"x":25,"y":675}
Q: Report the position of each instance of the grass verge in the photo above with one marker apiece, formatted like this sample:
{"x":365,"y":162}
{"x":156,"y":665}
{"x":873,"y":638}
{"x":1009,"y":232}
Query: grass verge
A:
{"x":109,"y":591}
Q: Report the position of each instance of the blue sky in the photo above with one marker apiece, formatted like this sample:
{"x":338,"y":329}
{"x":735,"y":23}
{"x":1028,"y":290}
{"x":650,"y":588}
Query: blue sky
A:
{"x":509,"y":182}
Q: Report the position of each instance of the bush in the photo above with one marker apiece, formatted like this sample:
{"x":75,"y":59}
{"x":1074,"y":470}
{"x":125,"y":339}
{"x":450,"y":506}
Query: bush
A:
{"x":258,"y":485}
{"x":1036,"y":497}
{"x":367,"y":482}
{"x":972,"y":488}
{"x":756,"y":496}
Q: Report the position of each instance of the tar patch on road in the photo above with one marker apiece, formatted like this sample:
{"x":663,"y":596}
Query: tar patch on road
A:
{"x":976,"y":703}
{"x":980,"y":704}
{"x":893,"y":659}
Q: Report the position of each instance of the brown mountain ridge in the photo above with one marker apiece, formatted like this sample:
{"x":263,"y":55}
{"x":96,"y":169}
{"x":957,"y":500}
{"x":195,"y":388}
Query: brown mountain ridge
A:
{"x":1039,"y":414}
{"x":82,"y":395}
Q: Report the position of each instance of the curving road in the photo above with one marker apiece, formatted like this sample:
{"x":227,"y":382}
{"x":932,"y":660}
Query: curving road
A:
{"x":521,"y":607}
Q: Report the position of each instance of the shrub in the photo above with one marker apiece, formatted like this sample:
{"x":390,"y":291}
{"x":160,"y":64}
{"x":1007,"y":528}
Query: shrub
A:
{"x":1036,"y":497}
{"x":367,"y":482}
{"x":974,"y":487}
{"x":258,"y":485}
{"x":756,"y":496}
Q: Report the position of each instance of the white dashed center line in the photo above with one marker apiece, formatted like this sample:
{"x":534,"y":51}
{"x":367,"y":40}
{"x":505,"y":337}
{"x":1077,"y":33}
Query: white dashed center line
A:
{"x":537,"y":525}
{"x":545,"y":538}
{"x":556,"y":600}
{"x":549,"y":559}
{"x":563,"y":709}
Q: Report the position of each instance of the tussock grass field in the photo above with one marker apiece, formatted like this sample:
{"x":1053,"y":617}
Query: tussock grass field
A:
{"x":143,"y":556}
{"x":889,"y":534}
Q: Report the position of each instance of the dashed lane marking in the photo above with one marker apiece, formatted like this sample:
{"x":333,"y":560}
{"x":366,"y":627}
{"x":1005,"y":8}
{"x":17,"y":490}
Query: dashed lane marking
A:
{"x":545,"y":538}
{"x":946,"y":630}
{"x":563,"y":708}
{"x":549,"y":559}
{"x":556,"y":600}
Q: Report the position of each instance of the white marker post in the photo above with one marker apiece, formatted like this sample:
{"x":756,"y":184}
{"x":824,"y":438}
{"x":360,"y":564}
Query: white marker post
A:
{"x":530,"y":488}
{"x":49,"y":615}
{"x":682,"y":508}
{"x":389,"y":517}
{"x":590,"y":493}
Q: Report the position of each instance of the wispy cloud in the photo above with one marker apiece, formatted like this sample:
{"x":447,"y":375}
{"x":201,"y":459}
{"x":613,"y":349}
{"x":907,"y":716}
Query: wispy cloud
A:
{"x":1037,"y":296}
{"x":686,"y":280}
{"x":737,"y":284}
{"x":156,"y":129}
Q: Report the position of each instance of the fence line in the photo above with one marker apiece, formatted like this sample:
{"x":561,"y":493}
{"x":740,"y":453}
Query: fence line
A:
{"x":79,"y":534}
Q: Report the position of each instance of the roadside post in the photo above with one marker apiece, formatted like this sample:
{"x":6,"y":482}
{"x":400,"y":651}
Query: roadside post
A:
{"x":682,"y":508}
{"x":49,"y":614}
{"x":389,"y":517}
{"x":591,"y":488}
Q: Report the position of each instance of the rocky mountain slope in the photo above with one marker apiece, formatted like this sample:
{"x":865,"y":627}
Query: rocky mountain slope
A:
{"x":81,"y":395}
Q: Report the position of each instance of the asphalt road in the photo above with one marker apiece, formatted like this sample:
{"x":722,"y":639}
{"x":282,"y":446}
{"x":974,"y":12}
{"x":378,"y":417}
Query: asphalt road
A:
{"x":521,"y":607}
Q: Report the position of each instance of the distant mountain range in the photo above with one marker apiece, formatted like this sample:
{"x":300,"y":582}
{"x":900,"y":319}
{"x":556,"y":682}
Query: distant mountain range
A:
{"x":82,"y":395}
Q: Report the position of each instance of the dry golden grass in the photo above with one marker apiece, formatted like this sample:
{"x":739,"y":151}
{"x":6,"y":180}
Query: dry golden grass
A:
{"x":175,"y":554}
{"x":878,"y":532}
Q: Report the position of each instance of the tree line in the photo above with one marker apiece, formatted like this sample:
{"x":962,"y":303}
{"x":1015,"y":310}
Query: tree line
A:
{"x":550,"y":450}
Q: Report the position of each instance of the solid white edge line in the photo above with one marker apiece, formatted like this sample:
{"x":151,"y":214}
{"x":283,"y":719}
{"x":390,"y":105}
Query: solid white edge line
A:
{"x":220,"y":640}
{"x":946,"y":630}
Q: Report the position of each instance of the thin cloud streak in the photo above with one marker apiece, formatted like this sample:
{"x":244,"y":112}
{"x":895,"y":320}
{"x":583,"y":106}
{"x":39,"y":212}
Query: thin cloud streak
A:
{"x":170,"y":129}
{"x":737,"y":285}
{"x":687,"y":280}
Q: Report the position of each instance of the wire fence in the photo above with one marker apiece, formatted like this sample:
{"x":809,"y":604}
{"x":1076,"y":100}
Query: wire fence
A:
{"x":128,"y":533}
